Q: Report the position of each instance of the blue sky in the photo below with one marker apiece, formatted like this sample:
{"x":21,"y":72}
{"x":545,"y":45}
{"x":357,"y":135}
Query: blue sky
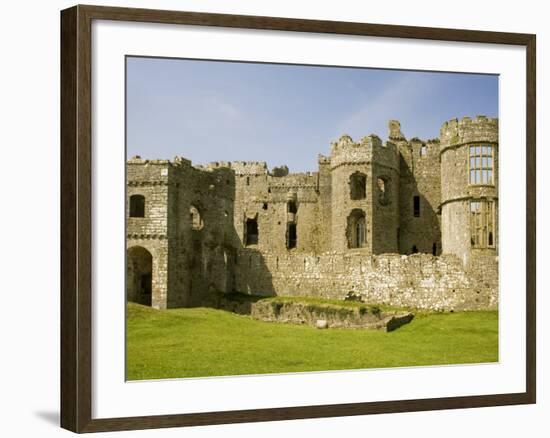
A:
{"x":285,"y":114}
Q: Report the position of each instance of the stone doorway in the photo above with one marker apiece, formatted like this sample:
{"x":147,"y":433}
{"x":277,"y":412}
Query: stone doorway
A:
{"x":139,"y":275}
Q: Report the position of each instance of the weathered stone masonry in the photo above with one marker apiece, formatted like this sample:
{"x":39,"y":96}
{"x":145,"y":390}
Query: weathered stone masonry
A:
{"x":406,"y":222}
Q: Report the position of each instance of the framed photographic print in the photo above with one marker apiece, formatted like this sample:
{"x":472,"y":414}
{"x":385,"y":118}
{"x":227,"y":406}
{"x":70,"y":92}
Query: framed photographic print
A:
{"x":269,"y":218}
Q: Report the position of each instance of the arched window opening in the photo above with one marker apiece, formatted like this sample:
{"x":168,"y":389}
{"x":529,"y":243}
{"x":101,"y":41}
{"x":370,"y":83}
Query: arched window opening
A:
{"x":251,"y":232}
{"x":291,"y":236}
{"x":414,"y":249}
{"x":383,"y":186}
{"x":195,"y":218}
{"x":357,"y":229}
{"x":423,"y":150}
{"x":139,"y":275}
{"x":137,"y":206}
{"x":358,"y":186}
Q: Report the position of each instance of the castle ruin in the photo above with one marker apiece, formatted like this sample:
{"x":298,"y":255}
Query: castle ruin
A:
{"x":407,"y":222}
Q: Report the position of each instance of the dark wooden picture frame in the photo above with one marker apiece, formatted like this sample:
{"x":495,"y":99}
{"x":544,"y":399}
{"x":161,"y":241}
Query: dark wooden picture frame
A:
{"x":76,"y":218}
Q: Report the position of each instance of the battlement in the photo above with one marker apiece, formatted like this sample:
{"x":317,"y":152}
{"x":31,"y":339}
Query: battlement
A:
{"x":136,"y":159}
{"x":369,"y":148}
{"x":294,"y":180}
{"x":249,"y":167}
{"x":455,"y":132}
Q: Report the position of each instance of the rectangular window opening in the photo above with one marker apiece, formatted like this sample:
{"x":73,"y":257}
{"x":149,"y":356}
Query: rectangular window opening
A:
{"x":482,"y":224}
{"x":416,"y":206}
{"x":291,"y":235}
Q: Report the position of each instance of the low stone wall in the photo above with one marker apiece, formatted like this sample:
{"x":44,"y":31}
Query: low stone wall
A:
{"x":418,"y":281}
{"x":328,"y":315}
{"x":320,"y":315}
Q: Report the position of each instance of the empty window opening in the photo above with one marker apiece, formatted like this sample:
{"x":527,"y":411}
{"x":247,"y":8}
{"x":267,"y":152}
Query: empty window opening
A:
{"x":137,"y":206}
{"x":292,"y":207}
{"x":357,"y":230}
{"x":358,"y":186}
{"x":416,"y":206}
{"x":482,"y":224}
{"x":195,"y":218}
{"x":251,"y":237}
{"x":264,"y":205}
{"x":423,"y":150}
{"x":414,"y":249}
{"x":383,"y":190}
{"x":247,"y":180}
{"x":481,"y":158}
{"x":434,"y":249}
{"x":291,"y":235}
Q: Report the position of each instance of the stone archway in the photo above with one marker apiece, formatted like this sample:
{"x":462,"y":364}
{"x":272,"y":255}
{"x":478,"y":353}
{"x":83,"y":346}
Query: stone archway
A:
{"x":139,"y":275}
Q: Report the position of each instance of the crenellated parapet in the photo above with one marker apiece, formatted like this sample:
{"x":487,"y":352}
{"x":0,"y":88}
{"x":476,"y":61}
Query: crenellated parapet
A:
{"x":249,"y":167}
{"x":346,"y":151}
{"x":467,"y":130}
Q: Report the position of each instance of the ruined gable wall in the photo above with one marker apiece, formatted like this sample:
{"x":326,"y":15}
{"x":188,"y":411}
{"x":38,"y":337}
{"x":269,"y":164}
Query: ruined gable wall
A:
{"x":261,"y":195}
{"x":324,"y":206}
{"x":201,"y":260}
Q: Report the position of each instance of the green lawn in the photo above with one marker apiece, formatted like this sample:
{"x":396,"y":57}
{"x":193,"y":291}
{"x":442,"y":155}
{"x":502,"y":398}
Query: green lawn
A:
{"x":209,"y":342}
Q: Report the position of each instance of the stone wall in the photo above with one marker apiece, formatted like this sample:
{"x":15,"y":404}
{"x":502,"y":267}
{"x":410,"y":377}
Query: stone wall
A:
{"x":195,"y":224}
{"x":419,"y":281}
{"x":420,"y":176}
{"x":456,"y":190}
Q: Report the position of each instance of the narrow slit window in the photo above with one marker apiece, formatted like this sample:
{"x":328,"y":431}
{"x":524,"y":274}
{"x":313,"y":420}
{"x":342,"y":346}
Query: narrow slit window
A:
{"x":291,"y":236}
{"x":416,"y":206}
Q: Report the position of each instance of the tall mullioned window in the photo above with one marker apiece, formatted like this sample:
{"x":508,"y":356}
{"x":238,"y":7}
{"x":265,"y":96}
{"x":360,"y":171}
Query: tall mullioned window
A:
{"x":482,"y":224}
{"x":481,"y":163}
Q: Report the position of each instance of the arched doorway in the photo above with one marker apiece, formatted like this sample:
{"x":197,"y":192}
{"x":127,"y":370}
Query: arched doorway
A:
{"x":139,"y":275}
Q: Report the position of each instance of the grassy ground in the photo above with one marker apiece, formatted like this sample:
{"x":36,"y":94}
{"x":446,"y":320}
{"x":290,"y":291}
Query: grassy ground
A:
{"x":208,"y":342}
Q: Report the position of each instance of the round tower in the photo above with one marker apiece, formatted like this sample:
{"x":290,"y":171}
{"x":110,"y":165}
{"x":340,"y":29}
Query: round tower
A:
{"x":364,"y":194}
{"x":469,"y":187}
